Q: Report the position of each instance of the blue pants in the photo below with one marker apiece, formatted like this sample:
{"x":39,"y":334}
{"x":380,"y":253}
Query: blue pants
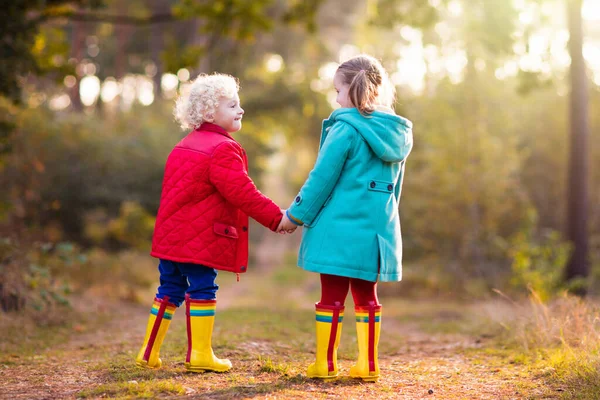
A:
{"x":177,"y":279}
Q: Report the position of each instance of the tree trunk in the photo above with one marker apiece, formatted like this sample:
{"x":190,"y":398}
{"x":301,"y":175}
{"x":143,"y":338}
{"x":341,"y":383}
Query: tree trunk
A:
{"x":158,"y":7}
{"x":577,"y":195}
{"x":77,"y":42}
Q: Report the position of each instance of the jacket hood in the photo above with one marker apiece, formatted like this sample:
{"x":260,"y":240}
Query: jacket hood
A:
{"x":387,"y":134}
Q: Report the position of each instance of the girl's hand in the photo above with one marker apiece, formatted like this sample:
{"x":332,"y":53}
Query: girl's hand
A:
{"x":286,"y":225}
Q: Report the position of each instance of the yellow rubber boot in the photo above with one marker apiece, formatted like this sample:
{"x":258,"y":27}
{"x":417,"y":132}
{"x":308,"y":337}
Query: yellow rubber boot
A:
{"x":158,"y":324}
{"x":329,"y":330}
{"x":200,"y":321}
{"x":368,"y":329}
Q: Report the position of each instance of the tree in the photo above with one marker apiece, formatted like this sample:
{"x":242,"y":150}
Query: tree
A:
{"x":19,"y":24}
{"x":577,"y":214}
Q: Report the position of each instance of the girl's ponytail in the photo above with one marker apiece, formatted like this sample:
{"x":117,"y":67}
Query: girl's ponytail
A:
{"x":366,"y":79}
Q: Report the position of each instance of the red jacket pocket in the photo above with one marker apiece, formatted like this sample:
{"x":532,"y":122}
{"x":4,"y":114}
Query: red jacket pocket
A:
{"x":225,"y":230}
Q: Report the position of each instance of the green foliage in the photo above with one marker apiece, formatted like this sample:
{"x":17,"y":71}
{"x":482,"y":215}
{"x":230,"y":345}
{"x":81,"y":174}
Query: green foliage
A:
{"x":61,"y":169}
{"x":34,"y":278}
{"x":390,"y":13}
{"x":24,"y":48}
{"x":132,"y":228}
{"x":237,"y":19}
{"x":538,"y":263}
{"x":462,"y":196}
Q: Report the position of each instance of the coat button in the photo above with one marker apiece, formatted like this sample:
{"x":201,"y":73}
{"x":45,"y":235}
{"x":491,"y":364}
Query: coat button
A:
{"x":298,"y":199}
{"x":372,"y":184}
{"x":226,"y":231}
{"x":242,"y":268}
{"x":245,"y":229}
{"x":390,"y":187}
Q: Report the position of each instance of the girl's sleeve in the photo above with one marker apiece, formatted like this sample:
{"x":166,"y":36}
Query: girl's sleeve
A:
{"x":408,"y":148}
{"x":228,"y":174}
{"x":398,"y":189}
{"x":324,"y":175}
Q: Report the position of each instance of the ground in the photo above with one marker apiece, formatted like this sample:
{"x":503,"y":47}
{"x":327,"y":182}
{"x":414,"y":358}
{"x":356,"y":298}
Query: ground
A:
{"x":430,"y":349}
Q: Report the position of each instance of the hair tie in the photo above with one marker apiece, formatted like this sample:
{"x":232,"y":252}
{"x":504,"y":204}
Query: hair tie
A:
{"x":362,"y":70}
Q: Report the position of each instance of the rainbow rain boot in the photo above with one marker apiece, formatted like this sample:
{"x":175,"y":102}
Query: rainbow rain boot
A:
{"x":200,"y":315}
{"x":329,"y":330}
{"x":158,"y":324}
{"x":368,"y":329}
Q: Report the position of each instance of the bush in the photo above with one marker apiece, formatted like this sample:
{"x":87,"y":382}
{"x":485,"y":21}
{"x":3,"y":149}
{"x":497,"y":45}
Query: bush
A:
{"x":60,"y":168}
{"x":538,"y":262}
{"x":31,"y":281}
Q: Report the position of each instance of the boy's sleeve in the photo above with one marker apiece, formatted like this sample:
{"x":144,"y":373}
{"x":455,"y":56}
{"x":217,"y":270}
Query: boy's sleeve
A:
{"x":228,"y":174}
{"x":324,"y":175}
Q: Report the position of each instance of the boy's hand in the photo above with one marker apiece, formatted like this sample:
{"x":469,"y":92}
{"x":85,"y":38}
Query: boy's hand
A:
{"x":286,"y":225}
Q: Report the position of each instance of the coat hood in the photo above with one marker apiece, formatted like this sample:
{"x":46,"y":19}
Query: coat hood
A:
{"x":387,"y":134}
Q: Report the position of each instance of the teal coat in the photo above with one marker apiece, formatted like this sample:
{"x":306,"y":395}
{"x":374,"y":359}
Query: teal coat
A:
{"x":349,"y":203}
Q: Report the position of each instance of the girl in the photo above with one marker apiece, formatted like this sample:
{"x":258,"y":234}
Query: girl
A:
{"x":349,"y":209}
{"x":202,"y":221}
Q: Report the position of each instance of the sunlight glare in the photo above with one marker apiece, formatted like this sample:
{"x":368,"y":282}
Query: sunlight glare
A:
{"x":89,"y":89}
{"x":411,"y":69}
{"x":331,"y":99}
{"x":318,"y":85}
{"x":59,"y":102}
{"x":89,"y":69}
{"x":145,"y":90}
{"x":591,"y":10}
{"x":526,"y":17}
{"x":128,"y":92}
{"x":455,"y":64}
{"x":274,"y":63}
{"x":591,"y":53}
{"x":500,"y":73}
{"x":347,"y":52}
{"x":70,"y":81}
{"x":455,"y":8}
{"x":327,"y":71}
{"x":519,"y":4}
{"x":110,"y":90}
{"x":169,"y":82}
{"x":410,"y":34}
{"x":183,"y":75}
{"x":538,"y":44}
{"x":511,"y":68}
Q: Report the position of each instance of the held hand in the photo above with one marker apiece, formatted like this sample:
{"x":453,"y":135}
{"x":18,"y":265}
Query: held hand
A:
{"x":286,"y":225}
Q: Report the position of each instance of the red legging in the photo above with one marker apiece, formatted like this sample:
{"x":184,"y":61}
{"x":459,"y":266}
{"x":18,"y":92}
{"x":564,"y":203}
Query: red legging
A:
{"x":335,"y":289}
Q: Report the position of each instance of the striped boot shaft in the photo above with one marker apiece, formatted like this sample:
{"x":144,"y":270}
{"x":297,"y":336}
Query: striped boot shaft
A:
{"x":159,"y":320}
{"x":368,"y":330}
{"x":200,"y":317}
{"x":328,"y":329}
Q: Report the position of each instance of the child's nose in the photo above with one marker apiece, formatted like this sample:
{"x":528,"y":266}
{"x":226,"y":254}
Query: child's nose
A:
{"x":241,"y":110}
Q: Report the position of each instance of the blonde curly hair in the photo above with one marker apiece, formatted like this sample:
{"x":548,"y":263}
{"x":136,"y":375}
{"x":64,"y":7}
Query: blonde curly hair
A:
{"x":198,"y":105}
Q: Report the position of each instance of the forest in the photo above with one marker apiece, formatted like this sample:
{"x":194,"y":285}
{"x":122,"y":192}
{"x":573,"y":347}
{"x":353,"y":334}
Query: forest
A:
{"x":500,"y":207}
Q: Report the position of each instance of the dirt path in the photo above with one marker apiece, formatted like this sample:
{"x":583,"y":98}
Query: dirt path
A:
{"x":98,"y":362}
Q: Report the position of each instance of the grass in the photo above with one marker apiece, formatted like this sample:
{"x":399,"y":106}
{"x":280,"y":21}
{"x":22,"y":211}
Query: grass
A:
{"x":265,"y":326}
{"x":147,"y":390}
{"x":558,"y":342}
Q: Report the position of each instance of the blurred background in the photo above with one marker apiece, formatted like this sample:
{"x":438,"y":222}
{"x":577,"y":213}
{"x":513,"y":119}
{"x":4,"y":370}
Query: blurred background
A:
{"x":500,"y":190}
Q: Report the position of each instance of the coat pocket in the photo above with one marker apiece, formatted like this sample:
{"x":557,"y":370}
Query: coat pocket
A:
{"x":225,"y":230}
{"x":380,"y":186}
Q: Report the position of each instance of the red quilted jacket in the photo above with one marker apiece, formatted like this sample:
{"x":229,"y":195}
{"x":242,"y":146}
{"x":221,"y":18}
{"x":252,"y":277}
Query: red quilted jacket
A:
{"x":206,"y":199}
